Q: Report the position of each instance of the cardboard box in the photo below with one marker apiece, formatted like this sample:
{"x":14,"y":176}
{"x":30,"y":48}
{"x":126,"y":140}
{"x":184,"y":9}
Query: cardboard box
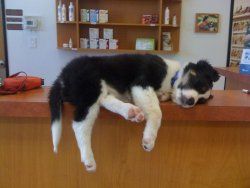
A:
{"x":113,"y":44}
{"x":94,"y":43}
{"x":103,"y":44}
{"x":166,"y":41}
{"x":145,"y":44}
{"x":94,"y":33}
{"x":107,"y":33}
{"x":93,"y":16}
{"x":84,"y":15}
{"x":84,"y":43}
{"x":103,"y":16}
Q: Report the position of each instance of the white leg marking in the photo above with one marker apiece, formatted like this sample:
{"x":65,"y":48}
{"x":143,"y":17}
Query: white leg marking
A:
{"x":56,"y":130}
{"x":147,"y":100}
{"x":127,"y":110}
{"x":83,"y":130}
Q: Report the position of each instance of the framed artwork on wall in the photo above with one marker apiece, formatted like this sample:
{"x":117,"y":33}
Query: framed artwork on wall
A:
{"x":239,"y":21}
{"x":206,"y":23}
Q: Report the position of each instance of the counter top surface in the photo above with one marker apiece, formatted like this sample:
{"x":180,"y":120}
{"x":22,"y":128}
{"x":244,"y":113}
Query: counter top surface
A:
{"x":233,"y":72}
{"x":229,"y":105}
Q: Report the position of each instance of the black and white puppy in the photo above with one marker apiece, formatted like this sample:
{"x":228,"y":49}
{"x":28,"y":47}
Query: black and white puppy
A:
{"x":130,"y":85}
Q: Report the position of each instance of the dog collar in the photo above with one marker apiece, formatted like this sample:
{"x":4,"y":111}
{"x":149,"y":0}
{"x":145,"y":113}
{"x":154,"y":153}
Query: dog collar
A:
{"x":173,"y":79}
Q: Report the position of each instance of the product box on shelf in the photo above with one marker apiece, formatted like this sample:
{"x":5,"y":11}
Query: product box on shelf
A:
{"x":103,"y":16}
{"x":166,"y":41}
{"x":145,"y":44}
{"x":84,"y":43}
{"x":103,"y":43}
{"x":94,"y":43}
{"x":93,"y":33}
{"x":113,"y":44}
{"x":107,"y":33}
{"x":84,"y":15}
{"x":93,"y":16}
{"x":150,"y":19}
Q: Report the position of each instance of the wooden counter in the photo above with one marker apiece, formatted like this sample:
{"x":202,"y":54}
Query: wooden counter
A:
{"x":207,"y":146}
{"x":229,"y":105}
{"x":234,"y":79}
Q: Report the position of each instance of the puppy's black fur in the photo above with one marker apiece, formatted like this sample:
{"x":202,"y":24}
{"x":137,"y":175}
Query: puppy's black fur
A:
{"x":80,"y":81}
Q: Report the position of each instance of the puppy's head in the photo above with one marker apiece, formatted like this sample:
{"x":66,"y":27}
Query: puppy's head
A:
{"x":194,"y":84}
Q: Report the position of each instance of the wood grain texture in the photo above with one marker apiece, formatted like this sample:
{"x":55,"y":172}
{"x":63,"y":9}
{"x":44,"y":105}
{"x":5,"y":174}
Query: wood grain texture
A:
{"x":186,"y":155}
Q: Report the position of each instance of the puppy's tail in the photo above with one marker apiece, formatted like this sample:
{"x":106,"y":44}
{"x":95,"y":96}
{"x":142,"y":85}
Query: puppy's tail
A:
{"x":55,"y":103}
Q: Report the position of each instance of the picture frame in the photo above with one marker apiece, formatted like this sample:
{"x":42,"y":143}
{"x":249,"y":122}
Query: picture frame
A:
{"x":207,"y":23}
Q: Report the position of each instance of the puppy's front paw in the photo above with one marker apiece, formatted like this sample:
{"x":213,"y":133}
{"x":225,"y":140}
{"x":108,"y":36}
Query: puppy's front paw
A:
{"x":148,"y":144}
{"x":135,"y":114}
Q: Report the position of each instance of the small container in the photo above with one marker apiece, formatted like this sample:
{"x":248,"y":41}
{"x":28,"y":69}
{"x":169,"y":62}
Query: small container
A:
{"x":166,"y":16}
{"x":70,"y":43}
{"x":65,"y":45}
{"x":174,"y":23}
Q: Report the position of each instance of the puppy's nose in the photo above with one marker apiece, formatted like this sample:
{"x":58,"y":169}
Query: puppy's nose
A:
{"x":188,"y":101}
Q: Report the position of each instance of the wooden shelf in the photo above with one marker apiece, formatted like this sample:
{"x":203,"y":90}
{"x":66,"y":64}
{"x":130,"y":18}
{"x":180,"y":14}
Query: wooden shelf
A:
{"x":118,"y":50}
{"x":225,"y":106}
{"x":119,"y":24}
{"x":241,"y":16}
{"x":125,"y":23}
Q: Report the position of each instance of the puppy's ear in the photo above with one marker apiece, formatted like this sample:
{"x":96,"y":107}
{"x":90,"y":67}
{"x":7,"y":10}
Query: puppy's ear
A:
{"x":208,"y":70}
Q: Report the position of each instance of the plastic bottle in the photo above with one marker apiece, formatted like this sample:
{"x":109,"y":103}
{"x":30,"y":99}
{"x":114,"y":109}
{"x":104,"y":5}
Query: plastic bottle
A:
{"x":174,"y":20}
{"x":71,"y":12}
{"x":167,"y":15}
{"x":59,"y":11}
{"x":70,"y":43}
{"x":64,"y":18}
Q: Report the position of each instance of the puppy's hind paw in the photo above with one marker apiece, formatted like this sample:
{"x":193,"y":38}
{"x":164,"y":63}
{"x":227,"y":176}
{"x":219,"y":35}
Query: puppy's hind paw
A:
{"x":135,"y":114}
{"x":148,"y":144}
{"x":90,"y":166}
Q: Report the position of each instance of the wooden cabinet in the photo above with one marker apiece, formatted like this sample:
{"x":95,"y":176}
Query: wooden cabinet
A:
{"x":125,"y":18}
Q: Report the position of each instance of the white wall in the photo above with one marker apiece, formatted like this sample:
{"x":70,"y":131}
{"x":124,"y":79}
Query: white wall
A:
{"x":46,"y":61}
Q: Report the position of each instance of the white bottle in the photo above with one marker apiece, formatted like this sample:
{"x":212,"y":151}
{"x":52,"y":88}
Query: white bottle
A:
{"x":71,"y":12}
{"x":166,"y":21}
{"x":64,"y":18}
{"x":174,"y":21}
{"x":70,"y":43}
{"x":59,"y":12}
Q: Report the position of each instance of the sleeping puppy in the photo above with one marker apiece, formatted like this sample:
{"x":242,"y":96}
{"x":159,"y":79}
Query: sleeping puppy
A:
{"x":130,"y":85}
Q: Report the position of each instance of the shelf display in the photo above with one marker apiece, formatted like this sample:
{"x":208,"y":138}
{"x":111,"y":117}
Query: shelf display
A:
{"x":137,"y":19}
{"x":240,"y":21}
